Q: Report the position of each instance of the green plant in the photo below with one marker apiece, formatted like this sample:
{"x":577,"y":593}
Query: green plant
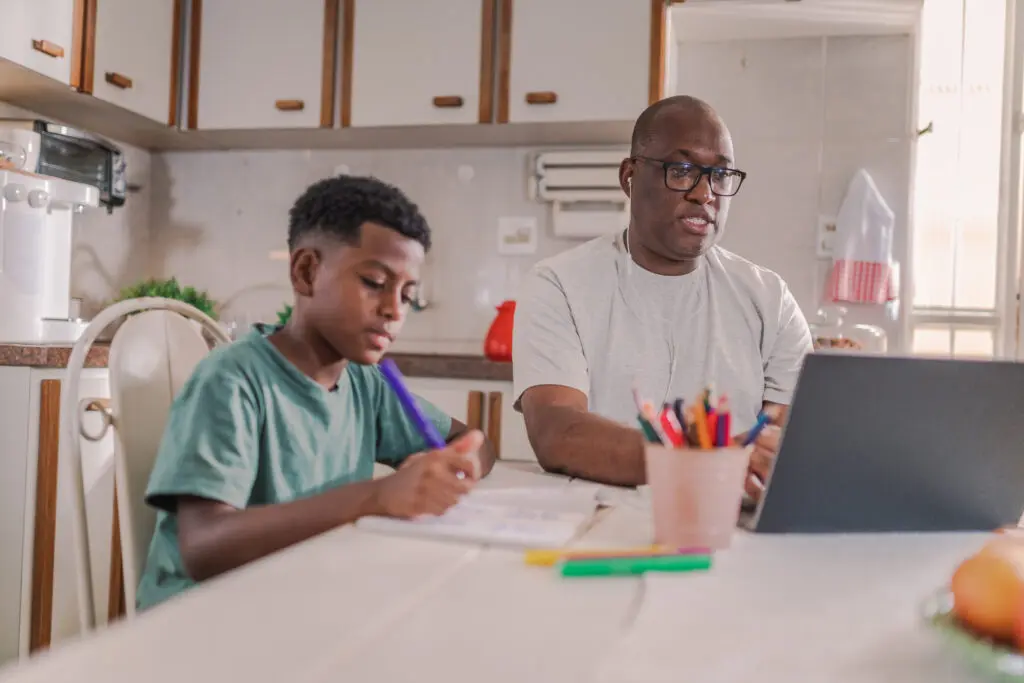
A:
{"x":284,"y":314}
{"x":170,"y":289}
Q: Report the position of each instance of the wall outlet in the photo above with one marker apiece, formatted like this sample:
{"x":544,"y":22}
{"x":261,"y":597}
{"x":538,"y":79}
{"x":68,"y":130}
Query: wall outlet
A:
{"x":826,"y":237}
{"x":517,"y":235}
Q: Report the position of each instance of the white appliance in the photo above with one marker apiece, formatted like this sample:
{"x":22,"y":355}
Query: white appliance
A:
{"x":583,"y":189}
{"x":36,"y":215}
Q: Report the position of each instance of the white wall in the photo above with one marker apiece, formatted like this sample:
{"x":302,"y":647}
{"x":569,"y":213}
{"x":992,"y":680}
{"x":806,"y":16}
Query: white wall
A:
{"x":805,"y":114}
{"x":217,"y":215}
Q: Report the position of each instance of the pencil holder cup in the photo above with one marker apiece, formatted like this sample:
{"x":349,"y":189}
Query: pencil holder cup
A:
{"x":696,"y":494}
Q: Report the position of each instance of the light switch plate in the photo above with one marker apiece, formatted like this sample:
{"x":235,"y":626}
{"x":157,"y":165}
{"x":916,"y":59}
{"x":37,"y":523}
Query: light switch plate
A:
{"x":826,"y":237}
{"x":517,"y":235}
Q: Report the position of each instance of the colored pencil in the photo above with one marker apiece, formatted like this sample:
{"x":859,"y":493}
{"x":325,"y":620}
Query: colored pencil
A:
{"x":722,"y":436}
{"x":673,"y":430}
{"x":549,"y":558}
{"x":701,"y":420}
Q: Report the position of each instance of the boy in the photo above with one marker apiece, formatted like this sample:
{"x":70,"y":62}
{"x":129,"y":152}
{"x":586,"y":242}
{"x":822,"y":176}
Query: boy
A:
{"x":273,"y":438}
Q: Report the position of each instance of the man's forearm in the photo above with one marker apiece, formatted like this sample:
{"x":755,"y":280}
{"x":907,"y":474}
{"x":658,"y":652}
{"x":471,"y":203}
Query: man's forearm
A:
{"x":591,"y":447}
{"x":216,"y":538}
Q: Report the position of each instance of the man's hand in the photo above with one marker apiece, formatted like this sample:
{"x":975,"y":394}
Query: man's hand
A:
{"x":765,"y":448}
{"x":430,"y":483}
{"x":762,"y":458}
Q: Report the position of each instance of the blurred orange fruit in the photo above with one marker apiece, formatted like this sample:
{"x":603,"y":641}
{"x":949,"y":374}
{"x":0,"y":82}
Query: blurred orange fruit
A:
{"x":988,"y":589}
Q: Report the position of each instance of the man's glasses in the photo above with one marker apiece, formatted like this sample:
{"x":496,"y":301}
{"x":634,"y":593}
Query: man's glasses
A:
{"x":682,"y":176}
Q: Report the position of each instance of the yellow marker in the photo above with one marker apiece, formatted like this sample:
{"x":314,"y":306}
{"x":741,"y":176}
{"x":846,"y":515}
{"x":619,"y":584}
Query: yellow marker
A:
{"x":549,"y":558}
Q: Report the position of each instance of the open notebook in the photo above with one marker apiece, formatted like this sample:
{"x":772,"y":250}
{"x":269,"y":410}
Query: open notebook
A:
{"x":517,"y":517}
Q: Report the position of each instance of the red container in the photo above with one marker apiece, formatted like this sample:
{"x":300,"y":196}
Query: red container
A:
{"x":498,"y":343}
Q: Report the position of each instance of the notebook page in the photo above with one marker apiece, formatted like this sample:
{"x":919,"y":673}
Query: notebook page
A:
{"x":519,"y":517}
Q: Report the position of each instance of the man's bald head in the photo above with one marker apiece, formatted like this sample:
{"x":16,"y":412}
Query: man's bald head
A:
{"x":672,"y":226}
{"x":678,"y":107}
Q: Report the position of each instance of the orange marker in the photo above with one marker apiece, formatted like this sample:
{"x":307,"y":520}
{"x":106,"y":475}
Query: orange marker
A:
{"x":701,"y":418}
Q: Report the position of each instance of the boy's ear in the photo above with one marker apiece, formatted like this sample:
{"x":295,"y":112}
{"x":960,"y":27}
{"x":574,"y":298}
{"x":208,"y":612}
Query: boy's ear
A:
{"x":305,"y":262}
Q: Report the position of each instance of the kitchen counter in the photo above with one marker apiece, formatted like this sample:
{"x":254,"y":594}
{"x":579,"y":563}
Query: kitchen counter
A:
{"x":49,"y":356}
{"x":452,"y":366}
{"x":439,"y":365}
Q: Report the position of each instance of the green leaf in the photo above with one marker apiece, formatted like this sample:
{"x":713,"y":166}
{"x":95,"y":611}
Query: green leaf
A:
{"x":170,"y":289}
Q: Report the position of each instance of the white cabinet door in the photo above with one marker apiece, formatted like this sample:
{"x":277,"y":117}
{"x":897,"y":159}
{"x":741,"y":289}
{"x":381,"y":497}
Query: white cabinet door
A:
{"x":448,"y":395}
{"x":98,"y":474}
{"x":515,"y":444}
{"x":39,"y":34}
{"x":15,"y":386}
{"x":594,"y":62}
{"x":418,"y":63}
{"x":134,"y":56}
{"x":261,"y":64}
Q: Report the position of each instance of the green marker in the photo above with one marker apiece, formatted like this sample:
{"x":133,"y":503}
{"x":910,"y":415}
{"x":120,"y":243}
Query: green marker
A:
{"x":631,"y":566}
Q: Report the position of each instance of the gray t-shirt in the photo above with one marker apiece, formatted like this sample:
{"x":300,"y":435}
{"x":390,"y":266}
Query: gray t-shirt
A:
{"x":592,"y":319}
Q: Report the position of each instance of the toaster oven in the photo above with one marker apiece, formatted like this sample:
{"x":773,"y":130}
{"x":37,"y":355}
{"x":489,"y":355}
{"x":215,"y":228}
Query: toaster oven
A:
{"x":52,"y":149}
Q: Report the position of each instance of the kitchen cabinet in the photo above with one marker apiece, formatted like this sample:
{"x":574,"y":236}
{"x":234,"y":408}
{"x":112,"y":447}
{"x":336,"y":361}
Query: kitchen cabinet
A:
{"x":262,"y":64}
{"x":38,"y":590}
{"x":134,"y":60}
{"x":43,"y":35}
{"x":434,"y":67}
{"x":502,"y":424}
{"x":564,"y":60}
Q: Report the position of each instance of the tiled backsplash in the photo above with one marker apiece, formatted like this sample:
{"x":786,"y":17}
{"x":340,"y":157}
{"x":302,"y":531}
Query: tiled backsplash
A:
{"x":217,"y":216}
{"x":805,"y":114}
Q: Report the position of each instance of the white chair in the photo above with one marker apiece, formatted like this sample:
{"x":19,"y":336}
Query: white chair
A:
{"x":152,"y":354}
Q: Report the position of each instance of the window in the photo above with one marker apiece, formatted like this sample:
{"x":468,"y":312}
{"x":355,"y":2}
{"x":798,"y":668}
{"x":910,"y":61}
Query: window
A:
{"x":954,"y":311}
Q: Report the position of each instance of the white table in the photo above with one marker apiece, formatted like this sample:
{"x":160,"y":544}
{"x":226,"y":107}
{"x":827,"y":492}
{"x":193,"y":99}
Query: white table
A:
{"x":354,"y":606}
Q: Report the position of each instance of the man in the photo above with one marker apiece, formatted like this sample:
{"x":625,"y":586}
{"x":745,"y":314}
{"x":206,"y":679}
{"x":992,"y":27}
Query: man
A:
{"x":273,"y":439}
{"x":658,"y":306}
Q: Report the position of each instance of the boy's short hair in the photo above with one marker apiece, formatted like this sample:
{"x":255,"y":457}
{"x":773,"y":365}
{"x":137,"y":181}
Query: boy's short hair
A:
{"x":338,"y":206}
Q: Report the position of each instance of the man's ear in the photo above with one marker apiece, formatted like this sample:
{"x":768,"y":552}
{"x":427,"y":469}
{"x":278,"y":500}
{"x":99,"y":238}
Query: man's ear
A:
{"x":626,"y":176}
{"x":304,"y":264}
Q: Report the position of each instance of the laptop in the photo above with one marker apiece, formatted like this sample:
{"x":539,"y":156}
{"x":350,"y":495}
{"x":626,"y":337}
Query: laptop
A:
{"x":881,"y":443}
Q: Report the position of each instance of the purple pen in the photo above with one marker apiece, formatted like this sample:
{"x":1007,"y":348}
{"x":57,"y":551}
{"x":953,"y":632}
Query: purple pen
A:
{"x":412,"y":409}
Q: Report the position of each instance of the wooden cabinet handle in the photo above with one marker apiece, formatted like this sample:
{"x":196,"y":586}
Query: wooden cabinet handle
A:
{"x":118,"y":80}
{"x":494,"y":421}
{"x":448,"y":101}
{"x":542,"y":97}
{"x":475,"y":410}
{"x":47,"y":48}
{"x":290,"y":105}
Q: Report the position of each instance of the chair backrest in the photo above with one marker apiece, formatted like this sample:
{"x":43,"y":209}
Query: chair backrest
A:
{"x":151,"y":356}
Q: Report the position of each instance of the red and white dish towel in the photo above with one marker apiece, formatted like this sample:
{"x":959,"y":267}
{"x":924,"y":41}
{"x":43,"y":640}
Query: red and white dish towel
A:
{"x":863,"y":270}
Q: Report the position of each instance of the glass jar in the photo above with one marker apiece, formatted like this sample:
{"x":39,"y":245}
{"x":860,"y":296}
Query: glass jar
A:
{"x":830,"y":332}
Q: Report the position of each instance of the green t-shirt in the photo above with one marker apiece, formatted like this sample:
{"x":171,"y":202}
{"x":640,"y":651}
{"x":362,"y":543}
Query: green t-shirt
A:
{"x":248,"y":428}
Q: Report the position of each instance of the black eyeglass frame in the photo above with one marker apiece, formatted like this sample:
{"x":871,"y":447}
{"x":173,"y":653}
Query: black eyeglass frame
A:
{"x":704,"y":171}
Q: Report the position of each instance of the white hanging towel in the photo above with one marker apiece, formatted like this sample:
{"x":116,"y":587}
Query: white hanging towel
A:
{"x":863,"y":270}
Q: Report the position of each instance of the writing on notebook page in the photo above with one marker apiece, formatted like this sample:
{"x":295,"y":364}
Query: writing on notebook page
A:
{"x":525,"y":517}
